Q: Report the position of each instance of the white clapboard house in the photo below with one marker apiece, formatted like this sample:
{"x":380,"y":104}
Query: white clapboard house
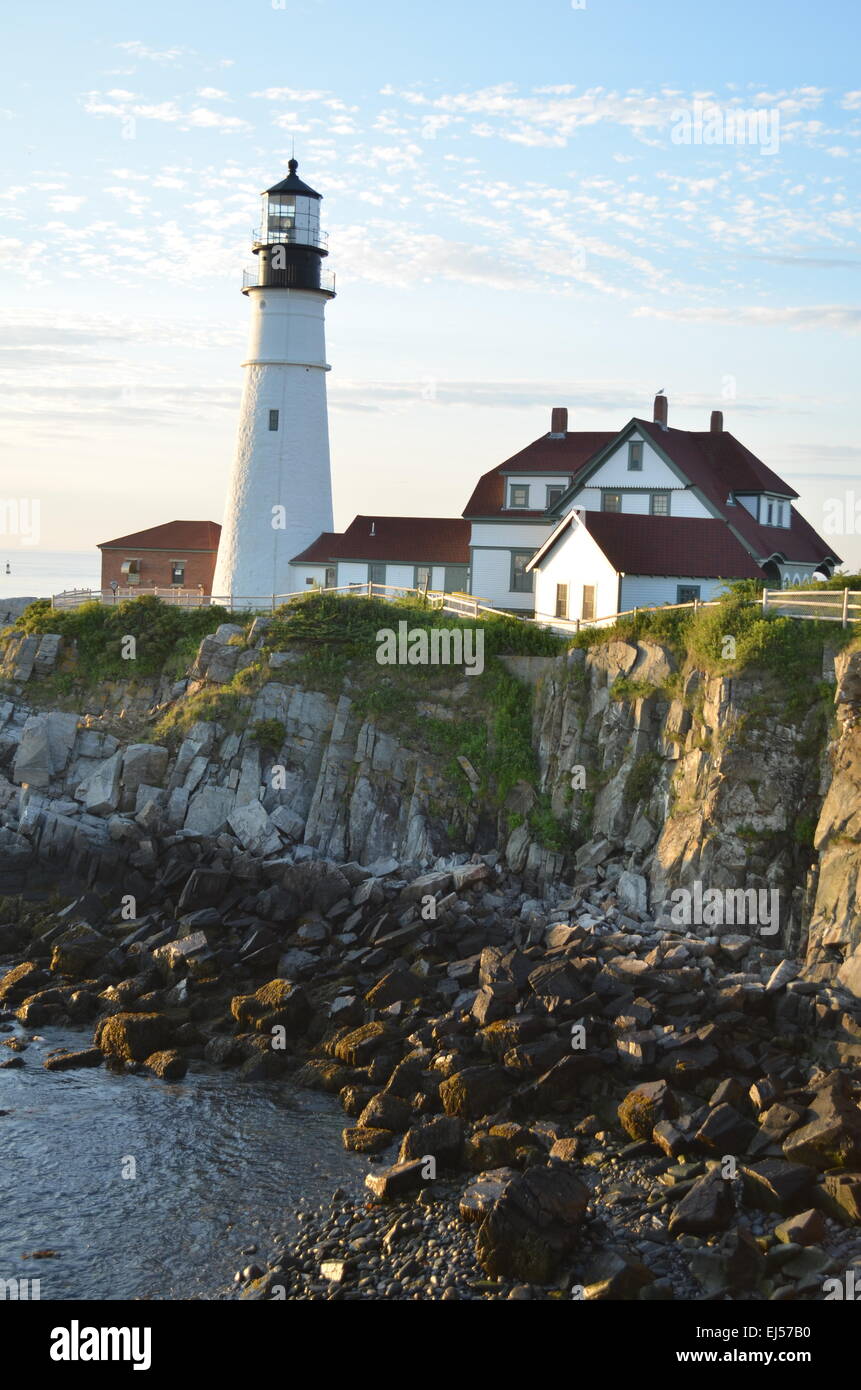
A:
{"x":660,"y":515}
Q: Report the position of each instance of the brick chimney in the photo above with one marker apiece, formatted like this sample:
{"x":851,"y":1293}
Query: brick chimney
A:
{"x":717,"y":422}
{"x":660,"y":415}
{"x":558,"y":422}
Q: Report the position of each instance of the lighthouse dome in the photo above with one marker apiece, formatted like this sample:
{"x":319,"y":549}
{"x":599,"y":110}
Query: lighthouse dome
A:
{"x":293,"y":183}
{"x":291,"y":214}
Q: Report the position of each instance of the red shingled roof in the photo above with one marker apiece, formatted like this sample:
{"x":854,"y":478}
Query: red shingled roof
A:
{"x":718,"y":464}
{"x":440,"y":540}
{"x":411,"y":539}
{"x":171,"y":535}
{"x":566,"y":455}
{"x":320,"y":551}
{"x":678,"y":546}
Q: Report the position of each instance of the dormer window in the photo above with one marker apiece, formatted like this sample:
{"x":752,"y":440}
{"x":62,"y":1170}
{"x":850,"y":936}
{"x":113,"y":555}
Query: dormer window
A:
{"x":518,"y":495}
{"x":635,"y":456}
{"x":553,"y":495}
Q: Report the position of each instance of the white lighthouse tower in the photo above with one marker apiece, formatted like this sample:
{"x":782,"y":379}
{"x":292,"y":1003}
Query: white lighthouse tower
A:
{"x":280,"y":493}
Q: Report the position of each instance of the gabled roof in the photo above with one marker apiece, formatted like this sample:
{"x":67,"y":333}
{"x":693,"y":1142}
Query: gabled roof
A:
{"x":293,"y":184}
{"x":319,"y":551}
{"x":566,"y":455}
{"x":677,"y":546}
{"x":710,"y":457}
{"x":396,"y":539}
{"x":717,"y":464}
{"x":171,"y":535}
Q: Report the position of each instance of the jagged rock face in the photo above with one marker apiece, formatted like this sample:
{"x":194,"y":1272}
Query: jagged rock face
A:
{"x":834,"y":941}
{"x":676,"y":778}
{"x":665,"y":779}
{"x":339,"y":787}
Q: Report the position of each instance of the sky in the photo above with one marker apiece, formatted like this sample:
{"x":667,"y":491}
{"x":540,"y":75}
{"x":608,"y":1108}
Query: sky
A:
{"x":528,"y":206}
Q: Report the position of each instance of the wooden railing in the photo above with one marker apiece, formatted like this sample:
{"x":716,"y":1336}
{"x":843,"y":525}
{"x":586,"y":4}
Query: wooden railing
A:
{"x":818,"y":605}
{"x":465,"y":604}
{"x":815,"y":605}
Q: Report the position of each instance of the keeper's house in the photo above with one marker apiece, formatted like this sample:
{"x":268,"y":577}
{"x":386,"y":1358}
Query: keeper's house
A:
{"x":654,"y":515}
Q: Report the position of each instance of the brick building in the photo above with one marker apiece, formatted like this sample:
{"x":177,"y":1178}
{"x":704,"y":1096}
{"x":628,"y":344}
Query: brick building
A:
{"x":177,"y":554}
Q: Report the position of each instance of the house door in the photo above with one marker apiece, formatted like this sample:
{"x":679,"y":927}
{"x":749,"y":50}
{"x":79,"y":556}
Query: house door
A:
{"x":331,"y":577}
{"x":455,"y":579}
{"x":561,"y":600}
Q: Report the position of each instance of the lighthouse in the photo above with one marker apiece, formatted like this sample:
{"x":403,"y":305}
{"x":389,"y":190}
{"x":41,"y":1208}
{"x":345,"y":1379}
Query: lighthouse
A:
{"x":280,"y":495}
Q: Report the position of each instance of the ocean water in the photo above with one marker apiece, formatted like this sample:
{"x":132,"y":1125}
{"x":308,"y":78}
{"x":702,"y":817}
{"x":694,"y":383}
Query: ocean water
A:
{"x":40,"y":573}
{"x":152,"y":1189}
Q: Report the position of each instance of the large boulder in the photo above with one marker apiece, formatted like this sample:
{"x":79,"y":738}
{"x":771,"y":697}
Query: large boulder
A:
{"x":169,"y":1065}
{"x":475,"y":1091}
{"x":208,"y":810}
{"x":832,"y":1138}
{"x":46,"y":742}
{"x":101,"y":791}
{"x":708,"y":1207}
{"x":133,"y":1037}
{"x":440,"y":1138}
{"x":533,"y":1225}
{"x":254,"y":830}
{"x":646,"y":1106}
{"x":21,"y":981}
{"x":77,"y":950}
{"x":276,"y":1004}
{"x":144,"y":764}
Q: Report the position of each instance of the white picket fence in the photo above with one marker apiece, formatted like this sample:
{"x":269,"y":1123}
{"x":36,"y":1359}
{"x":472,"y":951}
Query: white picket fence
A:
{"x":824,"y":605}
{"x":467,"y":605}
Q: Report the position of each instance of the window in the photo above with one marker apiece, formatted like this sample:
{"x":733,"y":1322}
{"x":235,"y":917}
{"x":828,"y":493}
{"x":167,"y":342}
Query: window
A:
{"x":422,"y":577}
{"x":635,"y":456}
{"x":769,"y":513}
{"x":377,"y":573}
{"x":331,"y":577}
{"x":686,"y":593}
{"x":660,"y":504}
{"x":273,"y":419}
{"x":587,"y":608}
{"x":778,"y":518}
{"x":177,"y":571}
{"x":521,"y":582}
{"x":519,"y":495}
{"x":562,"y":600}
{"x":611,"y":501}
{"x":553,"y":495}
{"x":131,"y":571}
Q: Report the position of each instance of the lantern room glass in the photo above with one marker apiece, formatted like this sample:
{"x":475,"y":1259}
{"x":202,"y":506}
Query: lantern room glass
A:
{"x":290,"y":218}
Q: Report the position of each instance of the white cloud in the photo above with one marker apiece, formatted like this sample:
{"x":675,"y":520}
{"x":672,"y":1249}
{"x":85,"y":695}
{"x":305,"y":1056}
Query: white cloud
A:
{"x":839,"y":317}
{"x":140,"y":50}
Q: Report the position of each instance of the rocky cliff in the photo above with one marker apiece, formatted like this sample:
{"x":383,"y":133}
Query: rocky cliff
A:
{"x":660,"y":775}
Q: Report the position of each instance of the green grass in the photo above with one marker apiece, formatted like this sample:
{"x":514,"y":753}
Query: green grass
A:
{"x":166,"y":637}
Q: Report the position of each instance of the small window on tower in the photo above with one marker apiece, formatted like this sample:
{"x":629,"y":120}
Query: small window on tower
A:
{"x":273,"y":419}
